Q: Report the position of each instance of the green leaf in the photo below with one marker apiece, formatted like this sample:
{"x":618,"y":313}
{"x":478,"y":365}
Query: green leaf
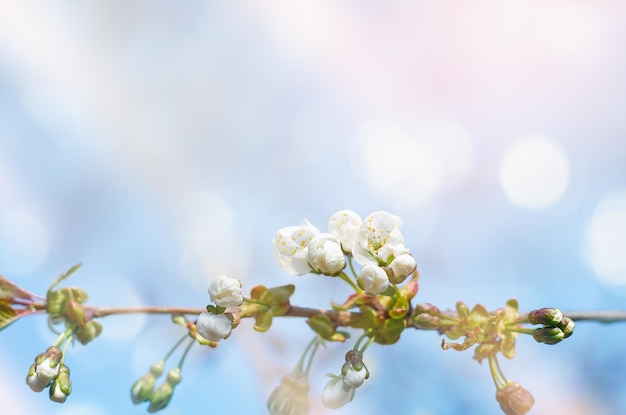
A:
{"x":10,"y":291}
{"x":278,"y":295}
{"x":65,"y":275}
{"x":322,"y":325}
{"x":263,"y":321}
{"x":256,"y":293}
{"x":400,"y":308}
{"x":8,"y":315}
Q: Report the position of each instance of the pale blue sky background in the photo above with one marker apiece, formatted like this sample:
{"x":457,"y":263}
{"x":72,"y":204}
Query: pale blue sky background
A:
{"x":162,"y":143}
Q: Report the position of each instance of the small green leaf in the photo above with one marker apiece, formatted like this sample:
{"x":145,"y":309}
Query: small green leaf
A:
{"x":7,"y":315}
{"x":322,"y":325}
{"x":278,"y":295}
{"x":257,"y":292}
{"x":65,"y":275}
{"x":263,"y":321}
{"x":280,"y":309}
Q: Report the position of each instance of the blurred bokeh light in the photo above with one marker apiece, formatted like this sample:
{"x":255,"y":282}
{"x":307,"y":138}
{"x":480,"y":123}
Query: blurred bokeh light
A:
{"x":162,"y":143}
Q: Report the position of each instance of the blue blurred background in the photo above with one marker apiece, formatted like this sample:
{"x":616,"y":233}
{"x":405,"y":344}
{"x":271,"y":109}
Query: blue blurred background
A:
{"x":162,"y":143}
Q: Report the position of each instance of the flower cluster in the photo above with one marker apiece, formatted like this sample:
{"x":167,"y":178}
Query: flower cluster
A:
{"x":144,"y":391}
{"x":50,"y":371}
{"x":215,"y":324}
{"x":556,"y":327}
{"x":375,"y":243}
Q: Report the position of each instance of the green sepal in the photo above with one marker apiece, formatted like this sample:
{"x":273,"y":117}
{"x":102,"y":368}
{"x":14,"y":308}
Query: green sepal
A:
{"x":511,"y":310}
{"x":390,"y":332}
{"x":215,"y":309}
{"x":400,"y":308}
{"x":390,"y":291}
{"x":263,"y":320}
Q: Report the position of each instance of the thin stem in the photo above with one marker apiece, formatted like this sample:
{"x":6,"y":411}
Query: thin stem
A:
{"x":347,"y":279}
{"x":360,"y":339}
{"x":369,"y":342}
{"x":67,"y":333}
{"x":496,"y":373}
{"x":520,"y":330}
{"x":167,"y":356}
{"x":317,"y":341}
{"x":351,"y":264}
{"x":184,"y":356}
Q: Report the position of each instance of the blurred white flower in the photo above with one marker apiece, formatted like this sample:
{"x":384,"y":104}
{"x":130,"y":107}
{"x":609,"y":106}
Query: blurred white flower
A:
{"x":290,"y":247}
{"x":291,"y":396}
{"x":336,"y":393}
{"x":373,"y":279}
{"x":325,"y":254}
{"x":214,"y":327}
{"x":344,"y":225}
{"x":225,"y":291}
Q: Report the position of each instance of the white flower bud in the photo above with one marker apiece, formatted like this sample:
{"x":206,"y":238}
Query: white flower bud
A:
{"x":61,"y":387}
{"x":290,"y":247}
{"x":214,"y":327}
{"x":344,"y":225}
{"x":401,"y":267}
{"x":291,"y":396}
{"x":325,"y":254}
{"x":225,"y":291}
{"x":374,"y":279}
{"x":355,"y":378}
{"x":336,"y":393}
{"x":45,"y":369}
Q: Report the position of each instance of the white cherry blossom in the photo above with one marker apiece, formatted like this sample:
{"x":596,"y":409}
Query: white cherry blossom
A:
{"x":344,"y":225}
{"x":380,"y":239}
{"x":290,"y":247}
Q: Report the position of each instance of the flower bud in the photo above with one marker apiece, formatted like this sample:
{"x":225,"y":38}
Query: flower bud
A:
{"x":214,"y":327}
{"x":225,"y":291}
{"x":514,"y":400}
{"x":545,"y":316}
{"x":325,"y":255}
{"x":426,"y":321}
{"x":427,"y":308}
{"x":45,"y":369}
{"x":567,"y":325}
{"x":401,"y":267}
{"x":374,"y":279}
{"x":142,"y":389}
{"x":161,"y":397}
{"x":88,"y":332}
{"x":548,"y":335}
{"x":336,"y":393}
{"x":354,"y":378}
{"x":61,"y":387}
